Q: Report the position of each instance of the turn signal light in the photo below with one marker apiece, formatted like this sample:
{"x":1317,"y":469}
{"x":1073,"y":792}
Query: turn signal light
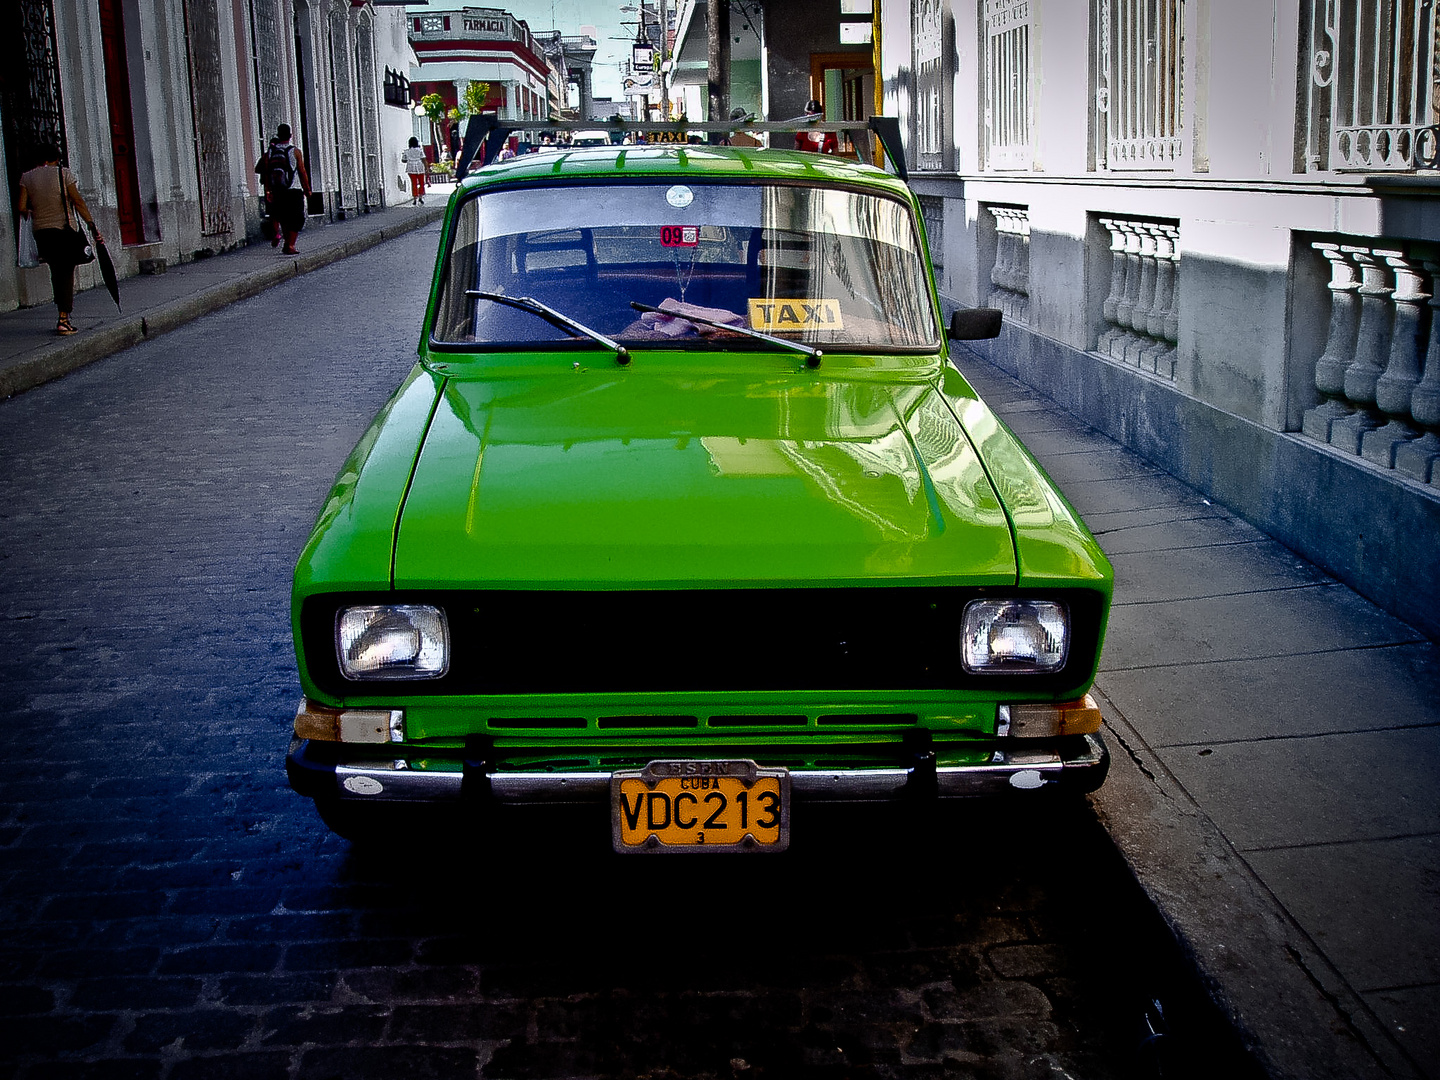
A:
{"x":349,"y":725}
{"x":1080,"y":717}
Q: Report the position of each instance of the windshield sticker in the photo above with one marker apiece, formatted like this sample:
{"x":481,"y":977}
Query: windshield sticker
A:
{"x":679,"y":196}
{"x":679,"y":235}
{"x":795,"y":315}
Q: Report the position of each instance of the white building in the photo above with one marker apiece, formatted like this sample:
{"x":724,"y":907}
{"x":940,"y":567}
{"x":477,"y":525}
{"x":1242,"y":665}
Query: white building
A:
{"x":456,"y":45}
{"x":163,"y":106}
{"x":1212,"y":225}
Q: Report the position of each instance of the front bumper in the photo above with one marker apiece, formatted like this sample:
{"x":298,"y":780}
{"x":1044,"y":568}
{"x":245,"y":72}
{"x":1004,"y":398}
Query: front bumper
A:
{"x":335,"y":771}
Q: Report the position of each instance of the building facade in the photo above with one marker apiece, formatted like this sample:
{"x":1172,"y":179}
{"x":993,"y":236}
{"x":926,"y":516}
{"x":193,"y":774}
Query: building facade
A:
{"x":1214,"y":231}
{"x":162,"y":107}
{"x":456,"y":45}
{"x":782,"y":55}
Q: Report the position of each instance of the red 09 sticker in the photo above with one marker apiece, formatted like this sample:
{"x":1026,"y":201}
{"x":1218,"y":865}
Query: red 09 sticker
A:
{"x":679,"y":235}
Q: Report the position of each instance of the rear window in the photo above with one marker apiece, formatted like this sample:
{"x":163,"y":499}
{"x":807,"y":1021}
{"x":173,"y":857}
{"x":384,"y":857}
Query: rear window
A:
{"x":827,"y":266}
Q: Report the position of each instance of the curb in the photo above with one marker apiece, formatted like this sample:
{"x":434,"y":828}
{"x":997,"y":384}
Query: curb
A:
{"x":1291,"y":1010}
{"x":53,"y":361}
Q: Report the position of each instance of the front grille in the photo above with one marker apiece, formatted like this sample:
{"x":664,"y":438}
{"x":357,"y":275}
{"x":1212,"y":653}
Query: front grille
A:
{"x":647,"y":722}
{"x":700,"y":640}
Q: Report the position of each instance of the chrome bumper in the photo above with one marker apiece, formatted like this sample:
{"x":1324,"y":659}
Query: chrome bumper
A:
{"x":1079,"y":762}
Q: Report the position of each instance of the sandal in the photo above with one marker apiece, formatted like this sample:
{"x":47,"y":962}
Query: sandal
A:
{"x":65,"y":326}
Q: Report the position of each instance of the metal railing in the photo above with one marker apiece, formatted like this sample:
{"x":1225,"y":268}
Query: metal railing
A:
{"x":1369,"y":69}
{"x":1140,"y":67}
{"x":1007,"y":100}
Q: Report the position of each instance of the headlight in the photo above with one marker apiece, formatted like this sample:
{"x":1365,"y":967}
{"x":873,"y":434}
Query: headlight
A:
{"x":1004,"y":637}
{"x":392,"y":641}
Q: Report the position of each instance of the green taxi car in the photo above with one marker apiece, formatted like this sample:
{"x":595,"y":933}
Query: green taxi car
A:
{"x":683,"y":517}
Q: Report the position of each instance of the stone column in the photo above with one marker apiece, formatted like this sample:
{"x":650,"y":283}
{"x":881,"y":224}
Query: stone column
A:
{"x":1111,"y":306}
{"x":1160,"y":356}
{"x":1339,"y":351}
{"x":1130,"y":294}
{"x":1372,"y":349}
{"x":1125,"y":309}
{"x":1011,"y":273}
{"x":1145,"y":301}
{"x":1000,"y":274}
{"x":1417,"y":459}
{"x":1402,"y":373}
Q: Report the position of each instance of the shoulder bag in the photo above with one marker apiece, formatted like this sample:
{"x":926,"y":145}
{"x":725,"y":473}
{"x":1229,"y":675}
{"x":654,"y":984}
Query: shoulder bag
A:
{"x":75,"y":241}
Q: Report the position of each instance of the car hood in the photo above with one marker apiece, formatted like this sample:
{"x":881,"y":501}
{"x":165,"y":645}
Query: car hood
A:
{"x":629,"y":477}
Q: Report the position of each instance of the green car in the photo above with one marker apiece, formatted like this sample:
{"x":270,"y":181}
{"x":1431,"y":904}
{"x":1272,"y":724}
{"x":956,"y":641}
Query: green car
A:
{"x":684,"y":518}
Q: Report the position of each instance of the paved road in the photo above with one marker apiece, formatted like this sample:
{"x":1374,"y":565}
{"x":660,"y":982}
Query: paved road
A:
{"x":169,"y":909}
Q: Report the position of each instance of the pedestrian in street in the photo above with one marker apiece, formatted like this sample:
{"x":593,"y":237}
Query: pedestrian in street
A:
{"x":50,"y":197}
{"x":287,"y":186}
{"x":415,"y":167}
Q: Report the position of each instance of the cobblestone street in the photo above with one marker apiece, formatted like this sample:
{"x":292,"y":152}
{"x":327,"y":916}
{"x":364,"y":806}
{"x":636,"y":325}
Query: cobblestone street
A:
{"x":170,"y":909}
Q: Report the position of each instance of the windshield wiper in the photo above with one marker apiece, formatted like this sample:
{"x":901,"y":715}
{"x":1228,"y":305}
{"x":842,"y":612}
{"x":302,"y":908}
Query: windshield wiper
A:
{"x":813,"y":356}
{"x":549,"y":314}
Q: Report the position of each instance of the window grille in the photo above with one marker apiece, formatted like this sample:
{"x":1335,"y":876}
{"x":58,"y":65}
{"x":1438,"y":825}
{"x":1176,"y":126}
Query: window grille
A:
{"x":1007,"y":93}
{"x":1139,"y":70}
{"x":932,"y":79}
{"x":30,"y":103}
{"x":397,"y":89}
{"x":1369,"y":71}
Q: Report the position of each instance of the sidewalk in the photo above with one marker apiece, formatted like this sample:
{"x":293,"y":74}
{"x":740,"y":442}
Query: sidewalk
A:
{"x":31,"y":353}
{"x":1275,"y":784}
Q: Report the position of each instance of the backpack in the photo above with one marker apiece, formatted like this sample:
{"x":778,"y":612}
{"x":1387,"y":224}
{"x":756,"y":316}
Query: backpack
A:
{"x":279,"y":168}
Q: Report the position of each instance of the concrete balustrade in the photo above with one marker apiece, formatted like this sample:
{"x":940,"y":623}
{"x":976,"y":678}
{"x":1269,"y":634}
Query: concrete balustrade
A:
{"x":1141,"y":313}
{"x":1379,"y":375}
{"x":1010,"y":276}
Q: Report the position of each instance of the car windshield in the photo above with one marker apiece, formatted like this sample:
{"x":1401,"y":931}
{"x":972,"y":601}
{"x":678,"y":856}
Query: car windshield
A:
{"x":831,"y":267}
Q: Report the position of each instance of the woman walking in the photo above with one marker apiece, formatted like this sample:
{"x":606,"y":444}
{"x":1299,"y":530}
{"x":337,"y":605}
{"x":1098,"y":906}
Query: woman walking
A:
{"x":49,"y":196}
{"x":415,"y":167}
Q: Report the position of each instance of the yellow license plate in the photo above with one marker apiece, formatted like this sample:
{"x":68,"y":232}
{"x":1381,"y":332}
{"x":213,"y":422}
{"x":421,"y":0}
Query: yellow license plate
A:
{"x":700,"y":806}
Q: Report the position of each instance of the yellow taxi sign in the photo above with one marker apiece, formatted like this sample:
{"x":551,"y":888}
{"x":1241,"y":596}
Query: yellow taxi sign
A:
{"x":795,"y":315}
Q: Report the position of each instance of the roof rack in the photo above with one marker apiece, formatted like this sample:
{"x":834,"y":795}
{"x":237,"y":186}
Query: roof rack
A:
{"x":494,"y":132}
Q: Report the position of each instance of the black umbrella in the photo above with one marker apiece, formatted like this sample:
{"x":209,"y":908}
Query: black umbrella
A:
{"x":107,"y":270}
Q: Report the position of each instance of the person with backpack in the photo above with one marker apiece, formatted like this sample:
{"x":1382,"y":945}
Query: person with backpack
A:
{"x":287,"y":187}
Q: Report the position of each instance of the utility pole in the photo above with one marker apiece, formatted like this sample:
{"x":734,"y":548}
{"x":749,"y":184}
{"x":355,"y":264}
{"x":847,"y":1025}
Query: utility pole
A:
{"x":664,"y":75}
{"x":717,"y":22}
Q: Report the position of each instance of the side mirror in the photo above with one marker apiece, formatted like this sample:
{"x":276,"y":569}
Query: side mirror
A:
{"x":975,"y":324}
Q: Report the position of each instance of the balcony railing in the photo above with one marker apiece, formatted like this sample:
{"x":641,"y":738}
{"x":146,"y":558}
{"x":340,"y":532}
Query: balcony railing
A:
{"x":1379,"y":376}
{"x":1142,"y":312}
{"x":1369,"y":70}
{"x":1010,"y":276}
